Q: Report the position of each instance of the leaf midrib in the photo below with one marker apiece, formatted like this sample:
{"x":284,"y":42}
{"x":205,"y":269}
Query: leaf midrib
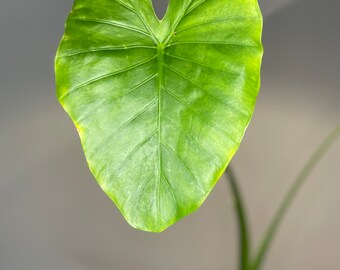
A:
{"x":161,"y":45}
{"x":160,"y":70}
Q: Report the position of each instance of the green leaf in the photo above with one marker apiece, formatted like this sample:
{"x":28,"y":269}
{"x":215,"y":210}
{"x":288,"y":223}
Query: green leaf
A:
{"x":160,"y":106}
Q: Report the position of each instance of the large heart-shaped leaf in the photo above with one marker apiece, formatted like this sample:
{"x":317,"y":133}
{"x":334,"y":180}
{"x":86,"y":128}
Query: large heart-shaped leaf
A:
{"x":160,"y":106}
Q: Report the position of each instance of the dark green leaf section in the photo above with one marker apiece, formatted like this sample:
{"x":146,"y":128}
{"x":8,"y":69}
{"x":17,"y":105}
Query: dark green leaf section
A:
{"x":160,"y":106}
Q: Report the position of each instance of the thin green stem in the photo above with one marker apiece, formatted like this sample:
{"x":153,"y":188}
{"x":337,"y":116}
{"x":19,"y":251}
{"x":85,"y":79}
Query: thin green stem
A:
{"x":297,"y":184}
{"x":242,"y":221}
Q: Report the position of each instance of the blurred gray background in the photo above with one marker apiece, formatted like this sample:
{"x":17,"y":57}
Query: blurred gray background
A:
{"x":54,"y":216}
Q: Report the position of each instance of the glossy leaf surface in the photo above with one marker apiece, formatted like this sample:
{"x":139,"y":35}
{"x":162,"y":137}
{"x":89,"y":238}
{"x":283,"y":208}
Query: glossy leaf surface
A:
{"x":160,"y":106}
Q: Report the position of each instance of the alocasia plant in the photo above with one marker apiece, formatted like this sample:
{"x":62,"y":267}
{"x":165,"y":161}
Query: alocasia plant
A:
{"x":161,"y":106}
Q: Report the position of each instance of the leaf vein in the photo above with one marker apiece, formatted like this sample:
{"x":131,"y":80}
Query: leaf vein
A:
{"x":118,"y":48}
{"x":213,"y":21}
{"x":197,"y":114}
{"x":204,"y":42}
{"x":194,"y":7}
{"x":183,"y":165}
{"x":206,"y":66}
{"x":72,"y":90}
{"x":117,"y":98}
{"x":191,"y":138}
{"x":144,"y":22}
{"x":171,"y":191}
{"x":130,"y":154}
{"x":125,"y":124}
{"x":139,"y":113}
{"x":118,"y":25}
{"x":167,"y":90}
{"x":124,"y":5}
{"x":180,"y":74}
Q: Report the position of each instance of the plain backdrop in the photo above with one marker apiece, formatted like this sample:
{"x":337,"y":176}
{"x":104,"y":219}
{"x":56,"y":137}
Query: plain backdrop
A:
{"x":53,"y":215}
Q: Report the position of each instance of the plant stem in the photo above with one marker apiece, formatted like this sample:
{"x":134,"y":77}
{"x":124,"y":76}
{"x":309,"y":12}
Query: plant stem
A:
{"x":297,"y":184}
{"x":242,"y":221}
